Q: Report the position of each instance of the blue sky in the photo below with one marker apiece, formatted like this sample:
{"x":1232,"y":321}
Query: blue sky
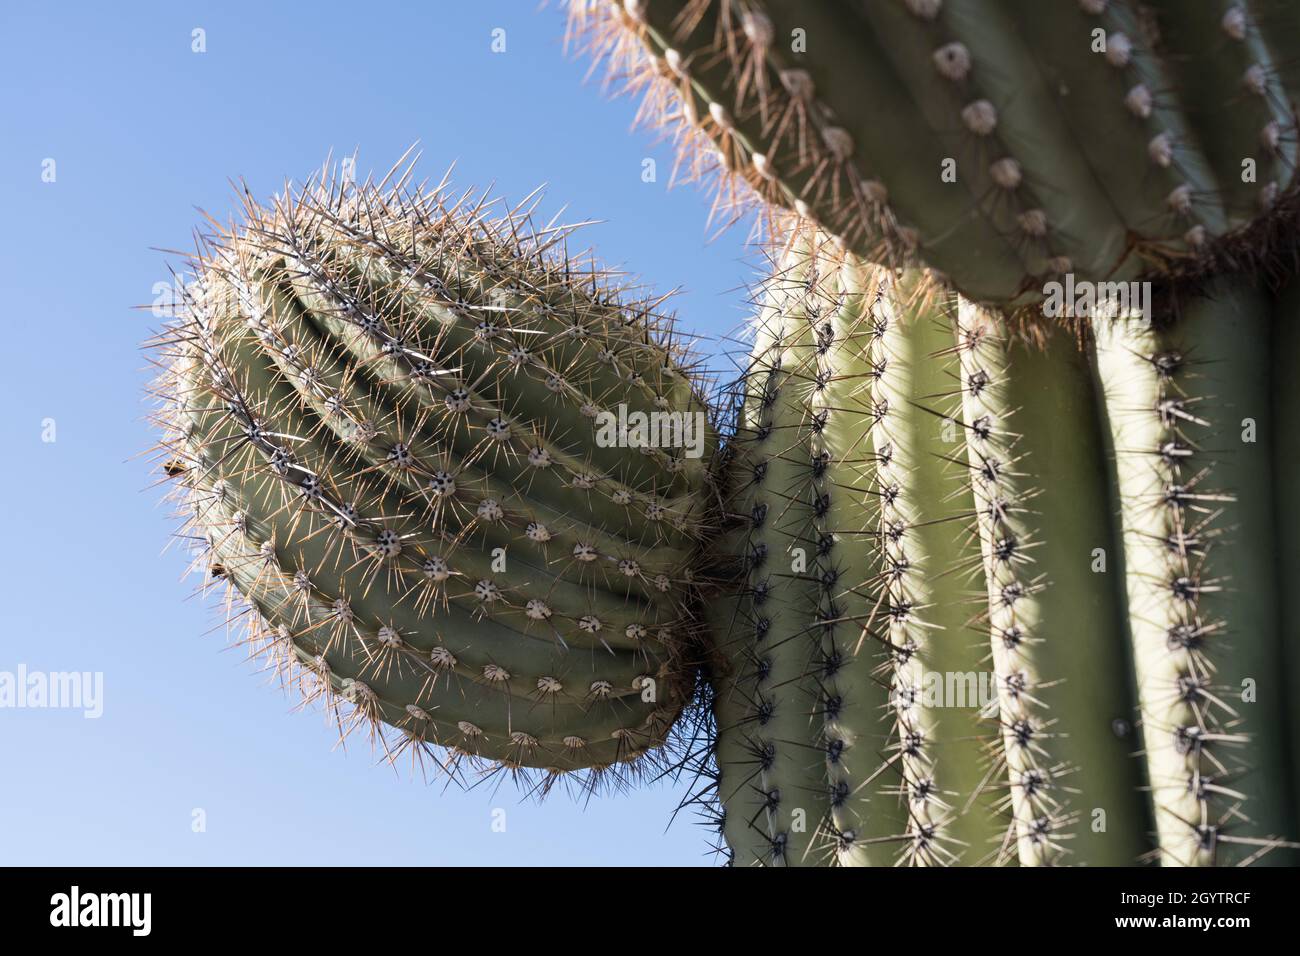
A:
{"x":142,"y":131}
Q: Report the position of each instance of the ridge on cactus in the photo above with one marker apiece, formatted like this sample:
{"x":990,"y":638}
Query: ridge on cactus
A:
{"x":1004,"y":144}
{"x":380,"y":408}
{"x":904,"y":473}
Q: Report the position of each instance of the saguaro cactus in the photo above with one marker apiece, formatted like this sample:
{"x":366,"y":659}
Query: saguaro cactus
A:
{"x":383,"y":409}
{"x":984,"y":571}
{"x":861,"y":578}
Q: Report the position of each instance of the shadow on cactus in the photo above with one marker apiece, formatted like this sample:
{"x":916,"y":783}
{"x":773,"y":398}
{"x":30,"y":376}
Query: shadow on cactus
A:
{"x":387,"y":413}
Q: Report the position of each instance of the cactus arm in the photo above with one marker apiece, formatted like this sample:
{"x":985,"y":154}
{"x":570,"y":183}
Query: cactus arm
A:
{"x":1088,"y":138}
{"x":314,"y":473}
{"x":1202,"y":609}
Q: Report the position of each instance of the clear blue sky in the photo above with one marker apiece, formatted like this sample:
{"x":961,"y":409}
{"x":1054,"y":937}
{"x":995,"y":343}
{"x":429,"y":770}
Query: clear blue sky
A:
{"x":142,"y":131}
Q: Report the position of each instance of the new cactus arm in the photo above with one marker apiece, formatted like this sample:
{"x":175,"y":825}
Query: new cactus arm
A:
{"x":457,"y":562}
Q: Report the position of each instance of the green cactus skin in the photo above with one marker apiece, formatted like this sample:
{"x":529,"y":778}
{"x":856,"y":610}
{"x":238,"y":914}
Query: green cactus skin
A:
{"x":1198,"y":510}
{"x":905,"y":599}
{"x":1078,"y":608}
{"x":1007,"y":551}
{"x":770,"y":738}
{"x":1102,"y":138}
{"x":381,"y":408}
{"x":1055,"y":617}
{"x":927,"y":555}
{"x":854,"y":542}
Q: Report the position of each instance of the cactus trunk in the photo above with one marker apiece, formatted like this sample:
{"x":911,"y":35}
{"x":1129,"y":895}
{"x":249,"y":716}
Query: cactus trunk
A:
{"x":1134,"y":664}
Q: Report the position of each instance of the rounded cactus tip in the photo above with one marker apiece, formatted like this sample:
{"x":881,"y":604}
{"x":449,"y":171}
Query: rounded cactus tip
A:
{"x":445,"y":471}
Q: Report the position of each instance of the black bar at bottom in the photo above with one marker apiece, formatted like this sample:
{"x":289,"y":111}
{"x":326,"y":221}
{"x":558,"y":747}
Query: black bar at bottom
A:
{"x":208,"y":905}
